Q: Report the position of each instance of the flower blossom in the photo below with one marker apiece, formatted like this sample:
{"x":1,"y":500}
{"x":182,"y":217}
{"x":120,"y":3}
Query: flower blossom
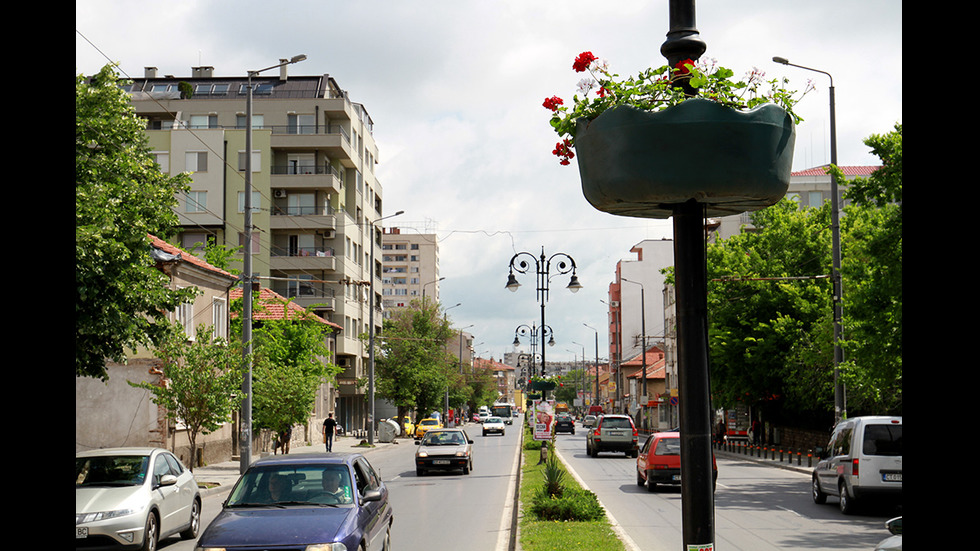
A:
{"x":563,"y":150}
{"x":552,"y":103}
{"x":681,"y":66}
{"x":585,"y":85}
{"x":582,"y":61}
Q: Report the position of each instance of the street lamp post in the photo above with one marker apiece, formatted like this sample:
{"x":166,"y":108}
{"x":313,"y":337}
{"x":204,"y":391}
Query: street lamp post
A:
{"x":596,"y":362}
{"x":371,"y":333}
{"x":643,"y":342}
{"x":532,"y":332}
{"x":542,"y":266}
{"x":840,"y":406}
{"x":245,"y":445}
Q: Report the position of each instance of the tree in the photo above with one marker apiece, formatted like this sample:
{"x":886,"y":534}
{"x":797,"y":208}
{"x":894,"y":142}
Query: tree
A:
{"x":121,"y":300}
{"x":412,"y":365}
{"x":291,"y":362}
{"x":872,"y":273}
{"x":201,"y":381}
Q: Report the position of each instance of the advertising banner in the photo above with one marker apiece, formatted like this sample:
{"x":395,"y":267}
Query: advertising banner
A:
{"x":544,"y":416}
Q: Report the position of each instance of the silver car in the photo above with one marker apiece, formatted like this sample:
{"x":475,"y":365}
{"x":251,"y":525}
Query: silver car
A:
{"x":130,"y":498}
{"x":444,"y":450}
{"x":612,"y":433}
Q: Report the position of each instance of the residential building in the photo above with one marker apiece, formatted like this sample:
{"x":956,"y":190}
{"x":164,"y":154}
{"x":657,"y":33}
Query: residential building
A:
{"x":114,"y":414}
{"x":503,"y":374}
{"x":316,"y":201}
{"x":410,"y":268}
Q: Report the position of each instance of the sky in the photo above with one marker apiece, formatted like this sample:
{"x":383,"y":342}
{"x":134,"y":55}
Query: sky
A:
{"x":455,"y":90}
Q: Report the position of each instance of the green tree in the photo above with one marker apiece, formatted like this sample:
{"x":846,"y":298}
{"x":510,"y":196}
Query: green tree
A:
{"x":291,"y":362}
{"x":121,"y":300}
{"x":872,"y":272}
{"x":202,"y":381}
{"x":412,"y":364}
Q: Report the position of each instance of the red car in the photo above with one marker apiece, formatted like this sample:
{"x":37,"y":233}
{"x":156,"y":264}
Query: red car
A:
{"x":659,"y":461}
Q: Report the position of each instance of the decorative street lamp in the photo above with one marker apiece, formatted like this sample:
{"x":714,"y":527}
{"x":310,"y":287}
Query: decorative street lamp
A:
{"x":564,"y":264}
{"x":525,"y":330}
{"x":245,"y":446}
{"x":840,"y":406}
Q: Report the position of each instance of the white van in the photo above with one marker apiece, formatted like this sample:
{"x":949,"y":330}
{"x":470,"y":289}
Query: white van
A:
{"x":862,"y":460}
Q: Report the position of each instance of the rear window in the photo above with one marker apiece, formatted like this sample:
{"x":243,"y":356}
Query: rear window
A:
{"x":883,"y":440}
{"x":668,"y":446}
{"x":616,"y":423}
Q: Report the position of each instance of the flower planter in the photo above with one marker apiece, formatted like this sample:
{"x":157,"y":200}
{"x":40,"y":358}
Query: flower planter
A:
{"x":639,"y":163}
{"x":542,"y":385}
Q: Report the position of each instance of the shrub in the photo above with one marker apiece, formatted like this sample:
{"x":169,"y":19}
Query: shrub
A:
{"x":574,"y":504}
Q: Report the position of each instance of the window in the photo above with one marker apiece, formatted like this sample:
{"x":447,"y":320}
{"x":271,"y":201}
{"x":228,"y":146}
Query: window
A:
{"x":196,"y":161}
{"x":301,"y":204}
{"x":301,"y":124}
{"x":204,"y":121}
{"x":255,"y":241}
{"x":185,"y":317}
{"x":197,"y":201}
{"x":219,"y":317}
{"x":258,"y":121}
{"x":162,"y":159}
{"x":256,"y":201}
{"x":815,"y":198}
{"x":256,"y":161}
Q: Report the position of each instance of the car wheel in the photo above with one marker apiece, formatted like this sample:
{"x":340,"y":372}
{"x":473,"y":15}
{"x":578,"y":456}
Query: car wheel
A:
{"x":484,"y":433}
{"x":639,"y":479}
{"x":818,"y":496}
{"x":195,"y":524}
{"x":150,"y":534}
{"x":846,"y":501}
{"x":595,"y":452}
{"x":651,"y":485}
{"x":386,"y":545}
{"x":419,"y":472}
{"x":634,"y":454}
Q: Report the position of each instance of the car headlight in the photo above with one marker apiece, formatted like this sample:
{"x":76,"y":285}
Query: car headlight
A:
{"x":461,"y":454}
{"x":422,"y":454}
{"x":327,"y":547}
{"x":82,"y":518}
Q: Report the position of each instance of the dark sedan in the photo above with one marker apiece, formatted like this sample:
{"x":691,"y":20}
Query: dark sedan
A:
{"x":565,"y":423}
{"x":304,"y":499}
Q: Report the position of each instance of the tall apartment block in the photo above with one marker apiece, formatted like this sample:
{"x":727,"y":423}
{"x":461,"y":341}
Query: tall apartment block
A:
{"x":410,"y":263}
{"x":315,"y":196}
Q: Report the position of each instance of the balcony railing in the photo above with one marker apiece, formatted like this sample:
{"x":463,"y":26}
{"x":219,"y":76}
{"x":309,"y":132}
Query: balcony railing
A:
{"x":297,"y":169}
{"x":310,"y":129}
{"x":324,"y":210}
{"x":303,"y":251}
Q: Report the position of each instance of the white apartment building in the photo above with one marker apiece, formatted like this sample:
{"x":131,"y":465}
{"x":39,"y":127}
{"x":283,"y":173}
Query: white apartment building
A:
{"x":410,"y":268}
{"x":315,"y":196}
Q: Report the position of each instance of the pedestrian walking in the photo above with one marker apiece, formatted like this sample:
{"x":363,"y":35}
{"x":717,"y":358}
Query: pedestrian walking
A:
{"x":329,"y":430}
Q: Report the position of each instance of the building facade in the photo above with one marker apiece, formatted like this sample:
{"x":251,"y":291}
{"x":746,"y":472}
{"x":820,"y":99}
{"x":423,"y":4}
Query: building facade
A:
{"x":410,"y":266}
{"x":315,"y":198}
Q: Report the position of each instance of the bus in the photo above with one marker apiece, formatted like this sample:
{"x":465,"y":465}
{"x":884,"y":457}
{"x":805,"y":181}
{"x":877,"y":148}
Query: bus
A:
{"x":504,"y":411}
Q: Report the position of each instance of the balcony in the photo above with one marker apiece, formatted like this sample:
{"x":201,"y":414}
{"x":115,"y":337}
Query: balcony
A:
{"x":304,"y":218}
{"x":303,"y":258}
{"x":307,"y":294}
{"x":306,"y":178}
{"x":334,"y":140}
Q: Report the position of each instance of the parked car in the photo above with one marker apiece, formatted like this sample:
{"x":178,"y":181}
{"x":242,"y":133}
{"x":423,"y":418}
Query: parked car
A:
{"x":426,"y":425}
{"x":336,"y":501}
{"x":444,"y":450}
{"x":564,"y":423}
{"x":493,"y":425}
{"x":612,"y":433}
{"x":588,"y":421}
{"x":130,"y":498}
{"x":862,"y":461}
{"x":893,"y":542}
{"x":482,"y":417}
{"x":659,"y":461}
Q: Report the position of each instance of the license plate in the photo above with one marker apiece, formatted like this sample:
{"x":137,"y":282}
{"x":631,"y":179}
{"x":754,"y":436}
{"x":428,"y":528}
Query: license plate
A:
{"x":676,"y":478}
{"x":891,"y":477}
{"x":81,"y":533}
{"x":441,"y":462}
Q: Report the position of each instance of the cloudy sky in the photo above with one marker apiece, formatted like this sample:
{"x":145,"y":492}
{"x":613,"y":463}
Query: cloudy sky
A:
{"x":455,"y":90}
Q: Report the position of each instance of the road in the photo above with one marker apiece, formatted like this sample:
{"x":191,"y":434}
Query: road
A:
{"x":757,"y":507}
{"x":439,"y":510}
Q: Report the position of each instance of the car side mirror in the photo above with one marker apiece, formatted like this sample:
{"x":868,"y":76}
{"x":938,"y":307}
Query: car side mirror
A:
{"x":469,"y":441}
{"x":167,"y":480}
{"x":821,"y":453}
{"x":418,"y":442}
{"x":894,"y":526}
{"x":371,"y":495}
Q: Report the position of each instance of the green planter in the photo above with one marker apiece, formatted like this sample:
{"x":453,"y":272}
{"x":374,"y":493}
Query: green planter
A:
{"x":542,"y":385}
{"x":640,"y":163}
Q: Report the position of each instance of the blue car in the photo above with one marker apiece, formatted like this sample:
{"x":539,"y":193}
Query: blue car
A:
{"x":335,"y":501}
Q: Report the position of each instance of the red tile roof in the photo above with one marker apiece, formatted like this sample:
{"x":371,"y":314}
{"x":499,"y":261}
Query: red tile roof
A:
{"x":847,"y":170}
{"x":185,"y":256}
{"x":272,"y":306}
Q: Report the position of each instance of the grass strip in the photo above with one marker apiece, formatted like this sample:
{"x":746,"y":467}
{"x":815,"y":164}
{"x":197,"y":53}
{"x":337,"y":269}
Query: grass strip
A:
{"x":541,"y":535}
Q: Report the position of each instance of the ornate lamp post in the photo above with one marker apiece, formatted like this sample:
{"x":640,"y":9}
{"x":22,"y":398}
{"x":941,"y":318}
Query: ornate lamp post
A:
{"x":564,"y":264}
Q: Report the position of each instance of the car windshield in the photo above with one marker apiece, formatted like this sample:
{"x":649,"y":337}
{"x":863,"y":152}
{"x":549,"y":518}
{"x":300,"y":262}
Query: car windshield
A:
{"x":111,"y":470}
{"x":429,"y":422}
{"x":616,"y":423}
{"x":281,"y":485}
{"x":494,"y":420}
{"x":883,"y":440}
{"x":447,"y":438}
{"x":668,"y":446}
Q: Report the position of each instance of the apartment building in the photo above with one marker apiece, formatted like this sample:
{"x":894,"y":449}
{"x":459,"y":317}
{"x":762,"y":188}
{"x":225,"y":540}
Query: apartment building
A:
{"x":315,"y":197}
{"x":410,"y":266}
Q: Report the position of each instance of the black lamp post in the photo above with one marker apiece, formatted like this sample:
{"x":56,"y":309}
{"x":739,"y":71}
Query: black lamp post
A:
{"x":532,"y":331}
{"x":563,"y":264}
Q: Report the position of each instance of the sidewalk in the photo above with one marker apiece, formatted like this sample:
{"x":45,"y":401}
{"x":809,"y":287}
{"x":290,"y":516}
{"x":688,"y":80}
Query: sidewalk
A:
{"x":220,"y":477}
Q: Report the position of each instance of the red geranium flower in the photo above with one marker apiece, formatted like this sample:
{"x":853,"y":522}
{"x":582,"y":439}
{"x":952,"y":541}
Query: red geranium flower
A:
{"x":582,"y":61}
{"x":553,"y":102}
{"x":682,"y":66}
{"x":563,"y":151}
